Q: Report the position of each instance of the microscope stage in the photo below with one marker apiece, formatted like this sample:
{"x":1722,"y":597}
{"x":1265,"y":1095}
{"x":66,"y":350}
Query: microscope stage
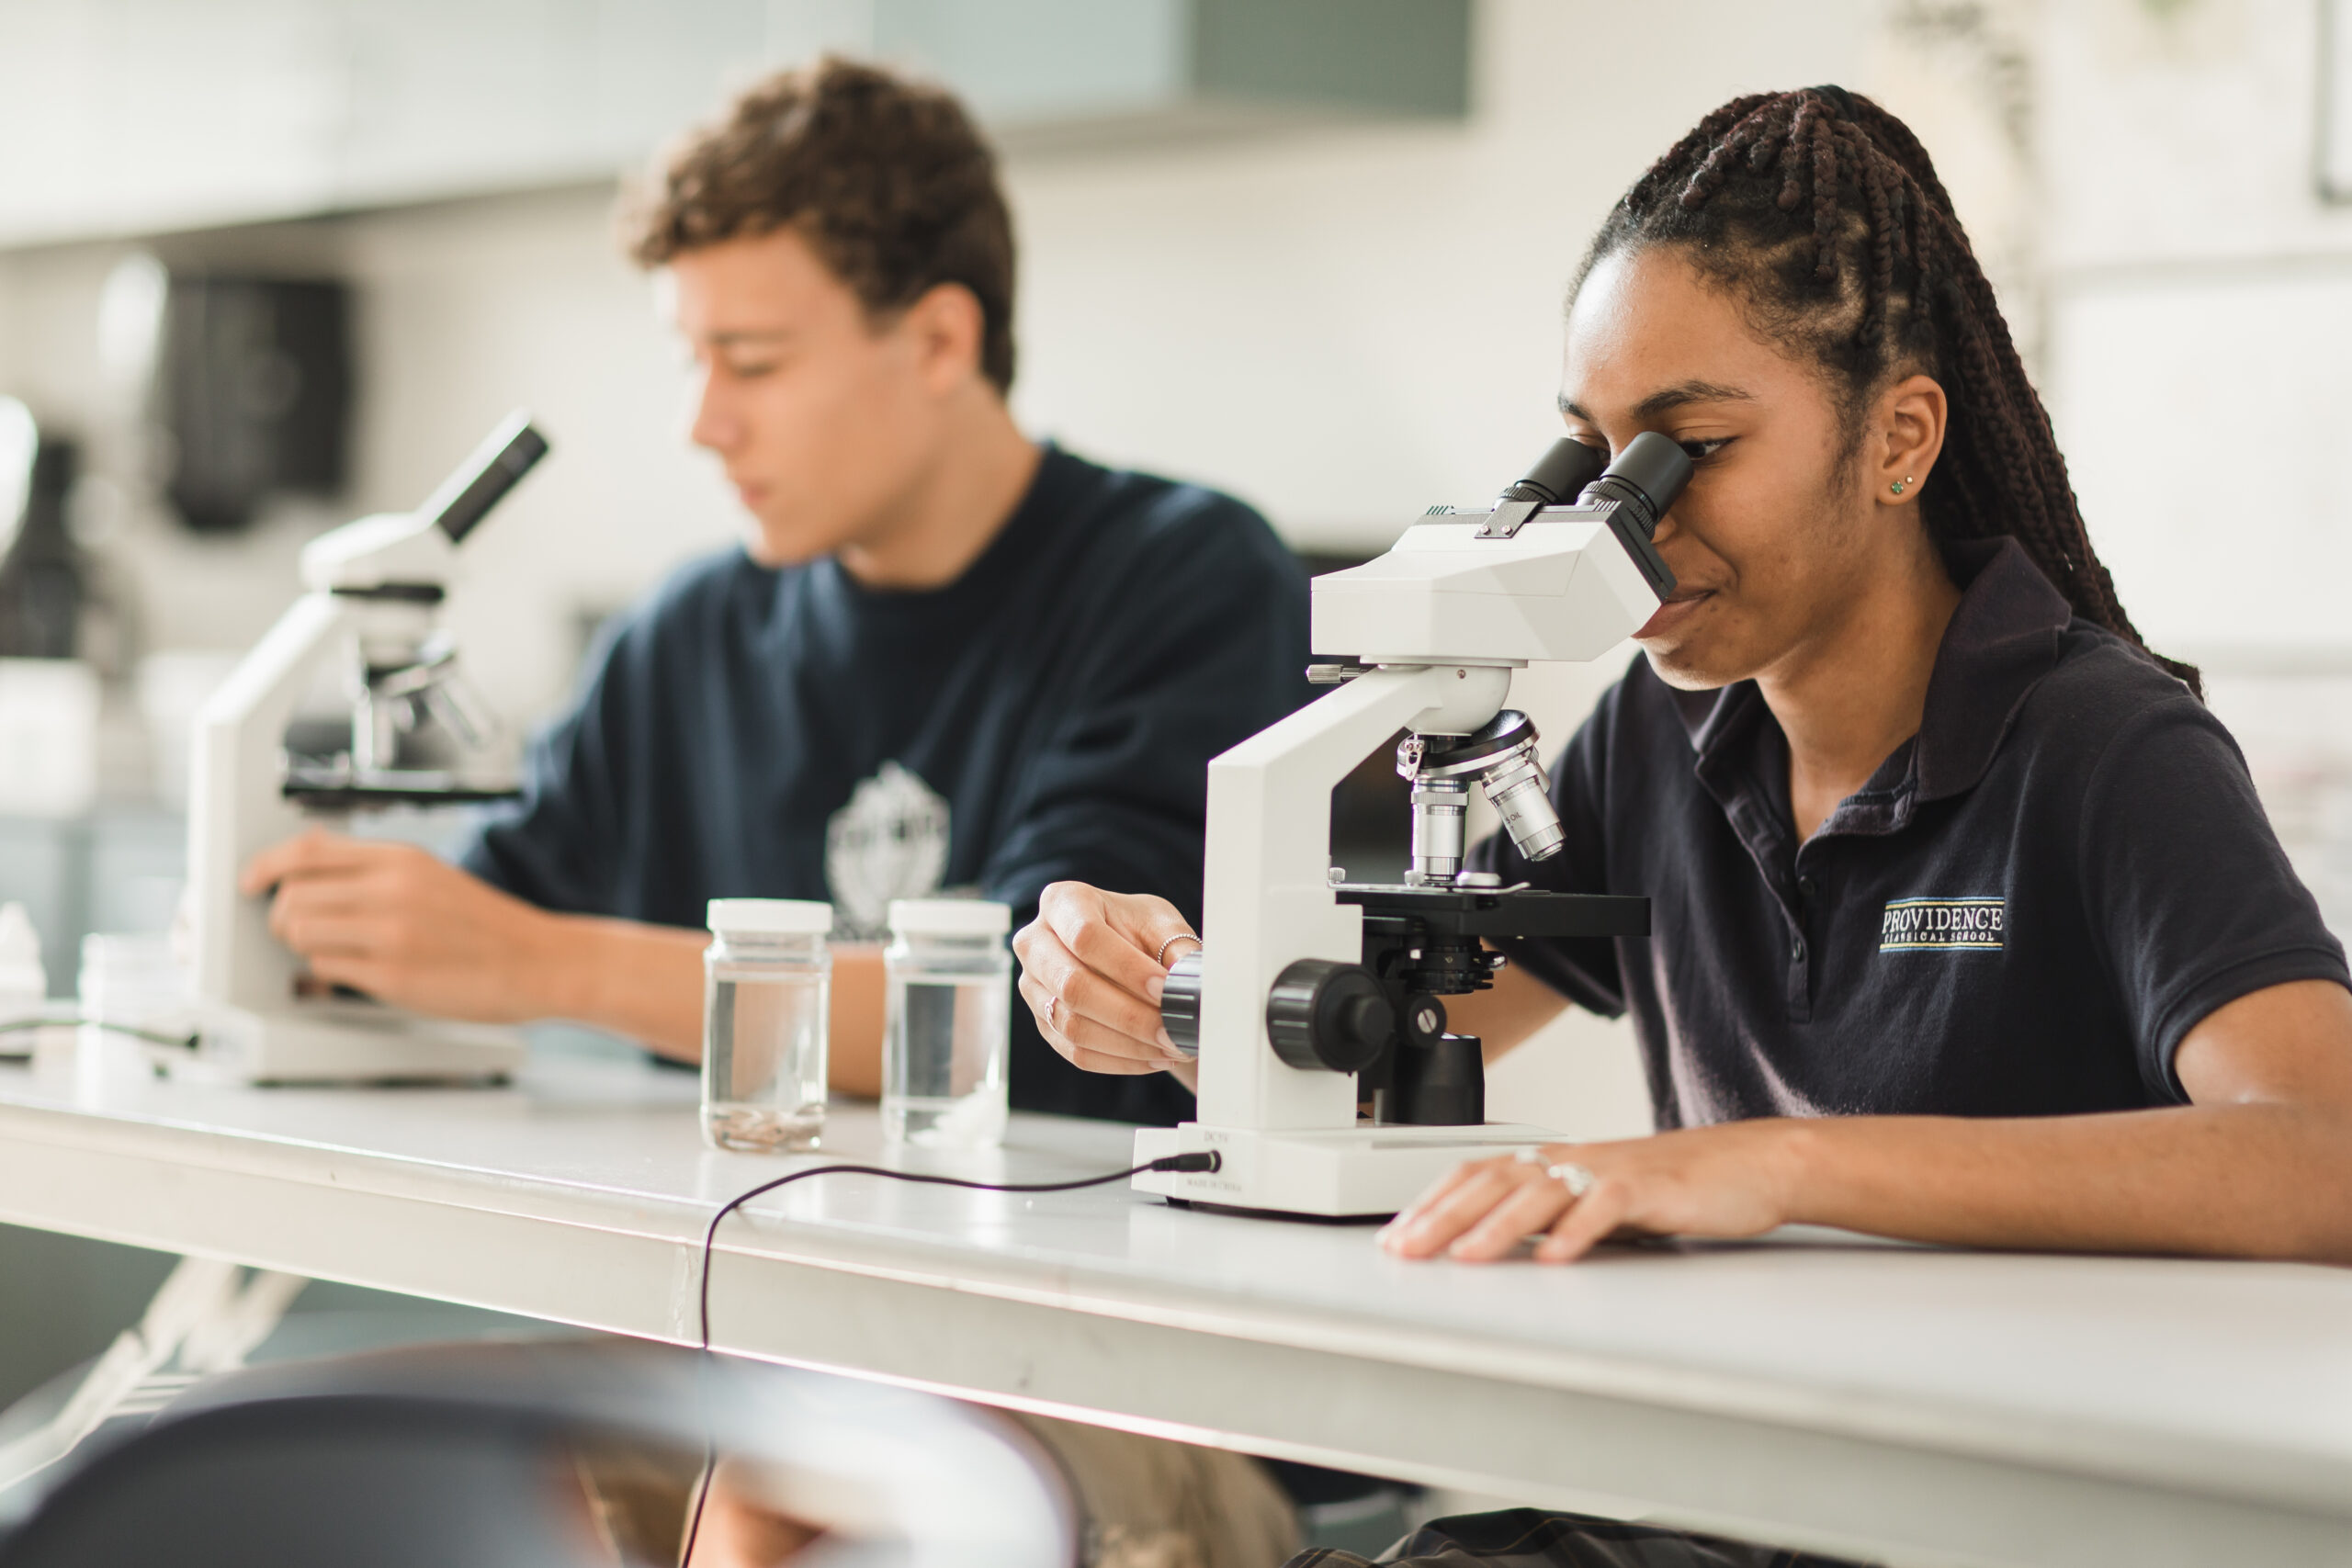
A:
{"x":336,"y":789}
{"x":1519,"y":911}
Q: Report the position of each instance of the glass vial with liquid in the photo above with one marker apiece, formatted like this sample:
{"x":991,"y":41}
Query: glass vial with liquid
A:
{"x":767,"y":992}
{"x":945,"y":1021}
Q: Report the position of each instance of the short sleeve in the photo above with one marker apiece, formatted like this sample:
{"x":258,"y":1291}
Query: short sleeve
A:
{"x":1585,"y":971}
{"x":2185,"y":886}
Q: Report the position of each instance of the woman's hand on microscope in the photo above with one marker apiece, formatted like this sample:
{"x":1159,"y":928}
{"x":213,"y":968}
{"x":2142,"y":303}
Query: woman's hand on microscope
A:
{"x":1734,"y":1180}
{"x":1092,"y":972}
{"x":400,"y":925}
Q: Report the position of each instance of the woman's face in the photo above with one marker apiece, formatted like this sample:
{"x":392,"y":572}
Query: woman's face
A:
{"x":1780,"y":535}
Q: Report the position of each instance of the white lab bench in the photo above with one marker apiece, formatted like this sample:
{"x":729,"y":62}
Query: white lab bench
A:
{"x":1925,"y":1404}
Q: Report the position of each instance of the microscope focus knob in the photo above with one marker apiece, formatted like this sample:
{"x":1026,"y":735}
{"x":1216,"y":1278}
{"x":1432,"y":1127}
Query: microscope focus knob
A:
{"x":1180,"y":1003}
{"x":1328,"y":1015}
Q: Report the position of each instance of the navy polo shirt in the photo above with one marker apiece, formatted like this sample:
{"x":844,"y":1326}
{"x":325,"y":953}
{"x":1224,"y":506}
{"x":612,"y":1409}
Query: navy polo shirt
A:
{"x":2021,"y":913}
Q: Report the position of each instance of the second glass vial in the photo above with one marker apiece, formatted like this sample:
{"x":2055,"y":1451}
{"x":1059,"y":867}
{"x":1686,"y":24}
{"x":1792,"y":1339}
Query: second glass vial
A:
{"x":945,"y":1023}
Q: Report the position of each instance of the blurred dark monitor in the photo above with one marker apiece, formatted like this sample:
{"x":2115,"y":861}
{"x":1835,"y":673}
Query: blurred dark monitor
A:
{"x":253,"y":387}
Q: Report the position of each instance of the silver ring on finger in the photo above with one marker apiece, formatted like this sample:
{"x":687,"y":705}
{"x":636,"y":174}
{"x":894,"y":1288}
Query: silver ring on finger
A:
{"x":1577,"y":1178}
{"x":1161,"y":957}
{"x":1051,"y":1003}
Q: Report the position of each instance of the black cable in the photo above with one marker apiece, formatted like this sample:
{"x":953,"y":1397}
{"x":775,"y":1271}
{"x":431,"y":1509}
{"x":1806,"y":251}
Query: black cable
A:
{"x":1207,"y":1161}
{"x":152,"y":1036}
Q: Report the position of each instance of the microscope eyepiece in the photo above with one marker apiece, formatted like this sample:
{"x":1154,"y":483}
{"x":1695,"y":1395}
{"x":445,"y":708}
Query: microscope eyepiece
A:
{"x":1558,"y":476}
{"x":480,"y":483}
{"x":1645,"y":480}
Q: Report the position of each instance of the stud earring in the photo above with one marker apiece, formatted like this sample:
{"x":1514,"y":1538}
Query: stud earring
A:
{"x":1899,"y":486}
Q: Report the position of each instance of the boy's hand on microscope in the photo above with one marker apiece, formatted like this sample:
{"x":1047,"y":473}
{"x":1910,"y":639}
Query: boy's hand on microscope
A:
{"x":396,"y":923}
{"x":1092,"y":971}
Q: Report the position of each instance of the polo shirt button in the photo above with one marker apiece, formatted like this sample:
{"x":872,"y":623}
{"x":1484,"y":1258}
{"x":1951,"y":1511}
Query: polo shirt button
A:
{"x":1796,"y":950}
{"x":1807,"y":886}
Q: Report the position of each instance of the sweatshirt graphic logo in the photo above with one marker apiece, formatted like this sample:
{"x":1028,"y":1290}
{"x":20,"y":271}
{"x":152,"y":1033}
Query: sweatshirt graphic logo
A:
{"x":1939,"y":925}
{"x":889,"y":841}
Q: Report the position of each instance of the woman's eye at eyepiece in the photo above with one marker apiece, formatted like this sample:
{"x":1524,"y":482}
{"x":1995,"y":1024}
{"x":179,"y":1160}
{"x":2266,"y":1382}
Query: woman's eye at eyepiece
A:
{"x":1700,"y":451}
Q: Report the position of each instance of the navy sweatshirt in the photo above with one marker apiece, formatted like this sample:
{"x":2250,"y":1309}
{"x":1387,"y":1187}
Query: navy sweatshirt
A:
{"x":748,"y":732}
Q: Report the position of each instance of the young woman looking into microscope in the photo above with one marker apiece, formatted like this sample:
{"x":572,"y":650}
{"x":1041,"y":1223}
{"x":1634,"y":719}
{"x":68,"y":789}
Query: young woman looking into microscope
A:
{"x":1969,"y":926}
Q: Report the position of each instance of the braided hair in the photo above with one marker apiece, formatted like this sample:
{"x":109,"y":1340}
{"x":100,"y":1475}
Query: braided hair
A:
{"x":1821,"y":213}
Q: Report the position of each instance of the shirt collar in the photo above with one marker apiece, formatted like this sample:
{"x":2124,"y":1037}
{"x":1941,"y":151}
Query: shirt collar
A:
{"x":2002,"y":638}
{"x":2002,"y":641}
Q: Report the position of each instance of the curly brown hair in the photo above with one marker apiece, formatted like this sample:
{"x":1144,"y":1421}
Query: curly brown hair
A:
{"x":887,"y":180}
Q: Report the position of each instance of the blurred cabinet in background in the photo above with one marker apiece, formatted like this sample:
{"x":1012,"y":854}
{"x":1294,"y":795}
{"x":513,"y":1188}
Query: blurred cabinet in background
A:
{"x":126,"y":116}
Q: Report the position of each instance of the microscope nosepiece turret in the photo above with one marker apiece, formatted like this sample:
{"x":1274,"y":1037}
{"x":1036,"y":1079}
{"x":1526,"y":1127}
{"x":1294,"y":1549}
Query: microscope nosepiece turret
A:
{"x":1502,"y":757}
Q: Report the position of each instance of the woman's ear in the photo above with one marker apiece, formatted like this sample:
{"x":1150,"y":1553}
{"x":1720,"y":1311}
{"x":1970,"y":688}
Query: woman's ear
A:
{"x":1906,"y":437}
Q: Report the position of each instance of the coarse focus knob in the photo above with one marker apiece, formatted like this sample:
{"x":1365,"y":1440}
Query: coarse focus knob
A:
{"x":1325,"y":1014}
{"x":1180,"y":1003}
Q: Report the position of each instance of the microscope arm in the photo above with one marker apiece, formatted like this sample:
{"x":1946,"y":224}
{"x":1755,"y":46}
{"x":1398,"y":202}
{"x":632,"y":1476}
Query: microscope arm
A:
{"x":1268,"y":899}
{"x":239,"y":739}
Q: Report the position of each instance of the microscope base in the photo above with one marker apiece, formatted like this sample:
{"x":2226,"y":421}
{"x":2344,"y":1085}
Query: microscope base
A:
{"x":342,"y":1041}
{"x":1333,"y":1173}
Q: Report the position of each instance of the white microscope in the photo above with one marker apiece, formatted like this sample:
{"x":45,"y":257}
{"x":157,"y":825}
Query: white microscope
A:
{"x":1313,"y":991}
{"x":419,"y":737}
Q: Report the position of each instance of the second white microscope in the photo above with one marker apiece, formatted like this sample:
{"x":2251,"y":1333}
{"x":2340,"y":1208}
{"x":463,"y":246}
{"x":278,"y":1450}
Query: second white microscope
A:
{"x":1315,"y":993}
{"x":419,"y":737}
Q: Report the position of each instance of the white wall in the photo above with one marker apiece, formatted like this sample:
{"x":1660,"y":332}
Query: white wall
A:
{"x":2201,"y":315}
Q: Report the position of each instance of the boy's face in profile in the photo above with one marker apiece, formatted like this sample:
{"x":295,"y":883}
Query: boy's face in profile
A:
{"x":823,"y":415}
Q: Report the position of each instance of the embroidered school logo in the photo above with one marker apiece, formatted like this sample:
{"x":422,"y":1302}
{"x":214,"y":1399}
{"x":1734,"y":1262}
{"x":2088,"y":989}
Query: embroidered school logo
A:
{"x":1930,"y":925}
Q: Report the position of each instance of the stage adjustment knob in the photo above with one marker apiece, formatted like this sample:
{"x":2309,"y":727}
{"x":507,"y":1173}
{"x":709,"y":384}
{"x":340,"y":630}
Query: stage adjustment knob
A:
{"x":1324,"y":1014}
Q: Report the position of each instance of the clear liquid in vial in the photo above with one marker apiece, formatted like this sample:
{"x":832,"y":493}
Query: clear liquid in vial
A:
{"x":944,"y":1063}
{"x":763,"y":1061}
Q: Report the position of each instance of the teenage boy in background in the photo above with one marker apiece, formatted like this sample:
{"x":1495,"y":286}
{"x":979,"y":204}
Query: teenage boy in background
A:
{"x":946,"y":658}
